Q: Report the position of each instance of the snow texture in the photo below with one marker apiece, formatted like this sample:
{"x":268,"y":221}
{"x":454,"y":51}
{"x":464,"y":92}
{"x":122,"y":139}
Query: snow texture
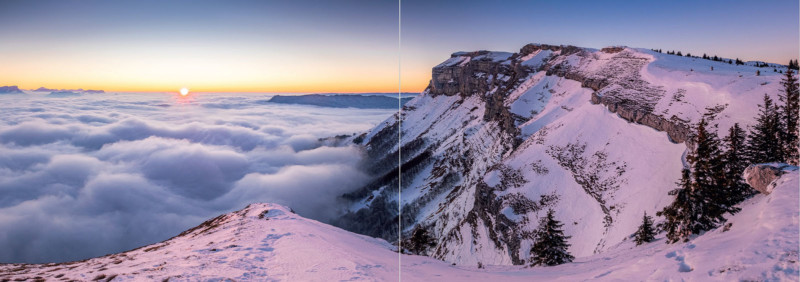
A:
{"x":270,"y":242}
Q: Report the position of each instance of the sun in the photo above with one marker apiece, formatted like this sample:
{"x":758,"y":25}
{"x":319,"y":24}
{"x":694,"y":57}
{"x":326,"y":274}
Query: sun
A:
{"x":184,"y":91}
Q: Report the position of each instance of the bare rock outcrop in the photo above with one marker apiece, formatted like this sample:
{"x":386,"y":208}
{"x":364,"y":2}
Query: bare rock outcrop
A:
{"x":762,"y":176}
{"x":677,"y":130}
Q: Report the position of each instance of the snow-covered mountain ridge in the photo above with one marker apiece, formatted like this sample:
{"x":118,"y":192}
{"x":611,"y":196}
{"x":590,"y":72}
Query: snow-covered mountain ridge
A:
{"x":498,"y":138}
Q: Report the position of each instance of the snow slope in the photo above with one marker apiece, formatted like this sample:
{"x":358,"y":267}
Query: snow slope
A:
{"x":268,"y":242}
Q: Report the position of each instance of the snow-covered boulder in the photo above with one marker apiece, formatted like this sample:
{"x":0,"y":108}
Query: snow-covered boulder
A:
{"x":762,"y":176}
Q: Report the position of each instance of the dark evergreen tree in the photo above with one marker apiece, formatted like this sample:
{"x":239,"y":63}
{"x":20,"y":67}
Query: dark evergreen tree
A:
{"x":735,"y":162}
{"x":793,"y":65}
{"x":550,"y":247}
{"x":420,"y":241}
{"x":739,"y":62}
{"x":646,"y":232}
{"x":763,"y":143}
{"x":679,"y":213}
{"x":708,"y":180}
{"x":789,"y":115}
{"x":679,"y":53}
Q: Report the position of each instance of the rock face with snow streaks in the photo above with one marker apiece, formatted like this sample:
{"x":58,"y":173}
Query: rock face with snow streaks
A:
{"x":498,"y":138}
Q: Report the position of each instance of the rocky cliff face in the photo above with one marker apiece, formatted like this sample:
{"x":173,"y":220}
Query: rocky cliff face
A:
{"x":498,"y":138}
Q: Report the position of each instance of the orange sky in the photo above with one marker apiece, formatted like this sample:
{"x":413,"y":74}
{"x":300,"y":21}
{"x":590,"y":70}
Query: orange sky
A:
{"x":204,"y":69}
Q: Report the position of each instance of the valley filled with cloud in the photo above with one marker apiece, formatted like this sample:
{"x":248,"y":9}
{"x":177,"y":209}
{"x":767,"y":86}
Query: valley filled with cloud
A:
{"x":96,"y":174}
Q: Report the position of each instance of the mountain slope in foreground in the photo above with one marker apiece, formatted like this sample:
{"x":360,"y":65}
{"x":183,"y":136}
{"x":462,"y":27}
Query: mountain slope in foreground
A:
{"x":270,"y":242}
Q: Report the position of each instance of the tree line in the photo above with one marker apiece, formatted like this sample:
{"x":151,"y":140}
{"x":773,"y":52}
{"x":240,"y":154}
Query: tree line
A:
{"x":793,"y":64}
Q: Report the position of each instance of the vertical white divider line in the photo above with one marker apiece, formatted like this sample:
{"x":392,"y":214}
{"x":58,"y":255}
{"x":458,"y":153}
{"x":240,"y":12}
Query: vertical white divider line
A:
{"x":399,"y":145}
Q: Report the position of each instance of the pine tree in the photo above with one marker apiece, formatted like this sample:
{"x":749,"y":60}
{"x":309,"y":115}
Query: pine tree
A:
{"x":708,"y":180}
{"x":789,"y":115}
{"x":735,"y":162}
{"x":763,"y":144}
{"x":793,"y":65}
{"x":678,"y":214}
{"x":550,"y":247}
{"x":646,"y":233}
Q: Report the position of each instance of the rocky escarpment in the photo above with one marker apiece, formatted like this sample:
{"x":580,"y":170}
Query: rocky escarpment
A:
{"x":498,"y":138}
{"x":619,"y":86}
{"x":677,"y":130}
{"x":490,"y":75}
{"x":452,"y":161}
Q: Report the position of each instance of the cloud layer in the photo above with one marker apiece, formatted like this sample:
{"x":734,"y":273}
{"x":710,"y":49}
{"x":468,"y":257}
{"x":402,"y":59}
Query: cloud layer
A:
{"x":86,"y":176}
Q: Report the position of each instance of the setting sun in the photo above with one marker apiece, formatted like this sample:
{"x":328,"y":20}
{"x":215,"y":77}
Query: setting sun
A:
{"x":184,"y":91}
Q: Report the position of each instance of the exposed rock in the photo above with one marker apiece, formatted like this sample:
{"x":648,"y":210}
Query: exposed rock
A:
{"x":490,"y":74}
{"x":566,"y":50}
{"x":762,"y":176}
{"x":612,"y":50}
{"x":677,"y":131}
{"x":638,"y":110}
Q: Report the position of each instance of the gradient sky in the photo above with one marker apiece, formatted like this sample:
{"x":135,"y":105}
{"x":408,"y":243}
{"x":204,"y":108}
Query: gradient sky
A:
{"x":276,"y":46}
{"x":750,"y":30}
{"x":348,"y":46}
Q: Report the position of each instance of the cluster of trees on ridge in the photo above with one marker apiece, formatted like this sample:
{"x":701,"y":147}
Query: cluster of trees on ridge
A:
{"x":793,"y":64}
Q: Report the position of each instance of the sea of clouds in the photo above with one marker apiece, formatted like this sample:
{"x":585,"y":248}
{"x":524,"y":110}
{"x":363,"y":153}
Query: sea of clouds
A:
{"x":103,"y":173}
